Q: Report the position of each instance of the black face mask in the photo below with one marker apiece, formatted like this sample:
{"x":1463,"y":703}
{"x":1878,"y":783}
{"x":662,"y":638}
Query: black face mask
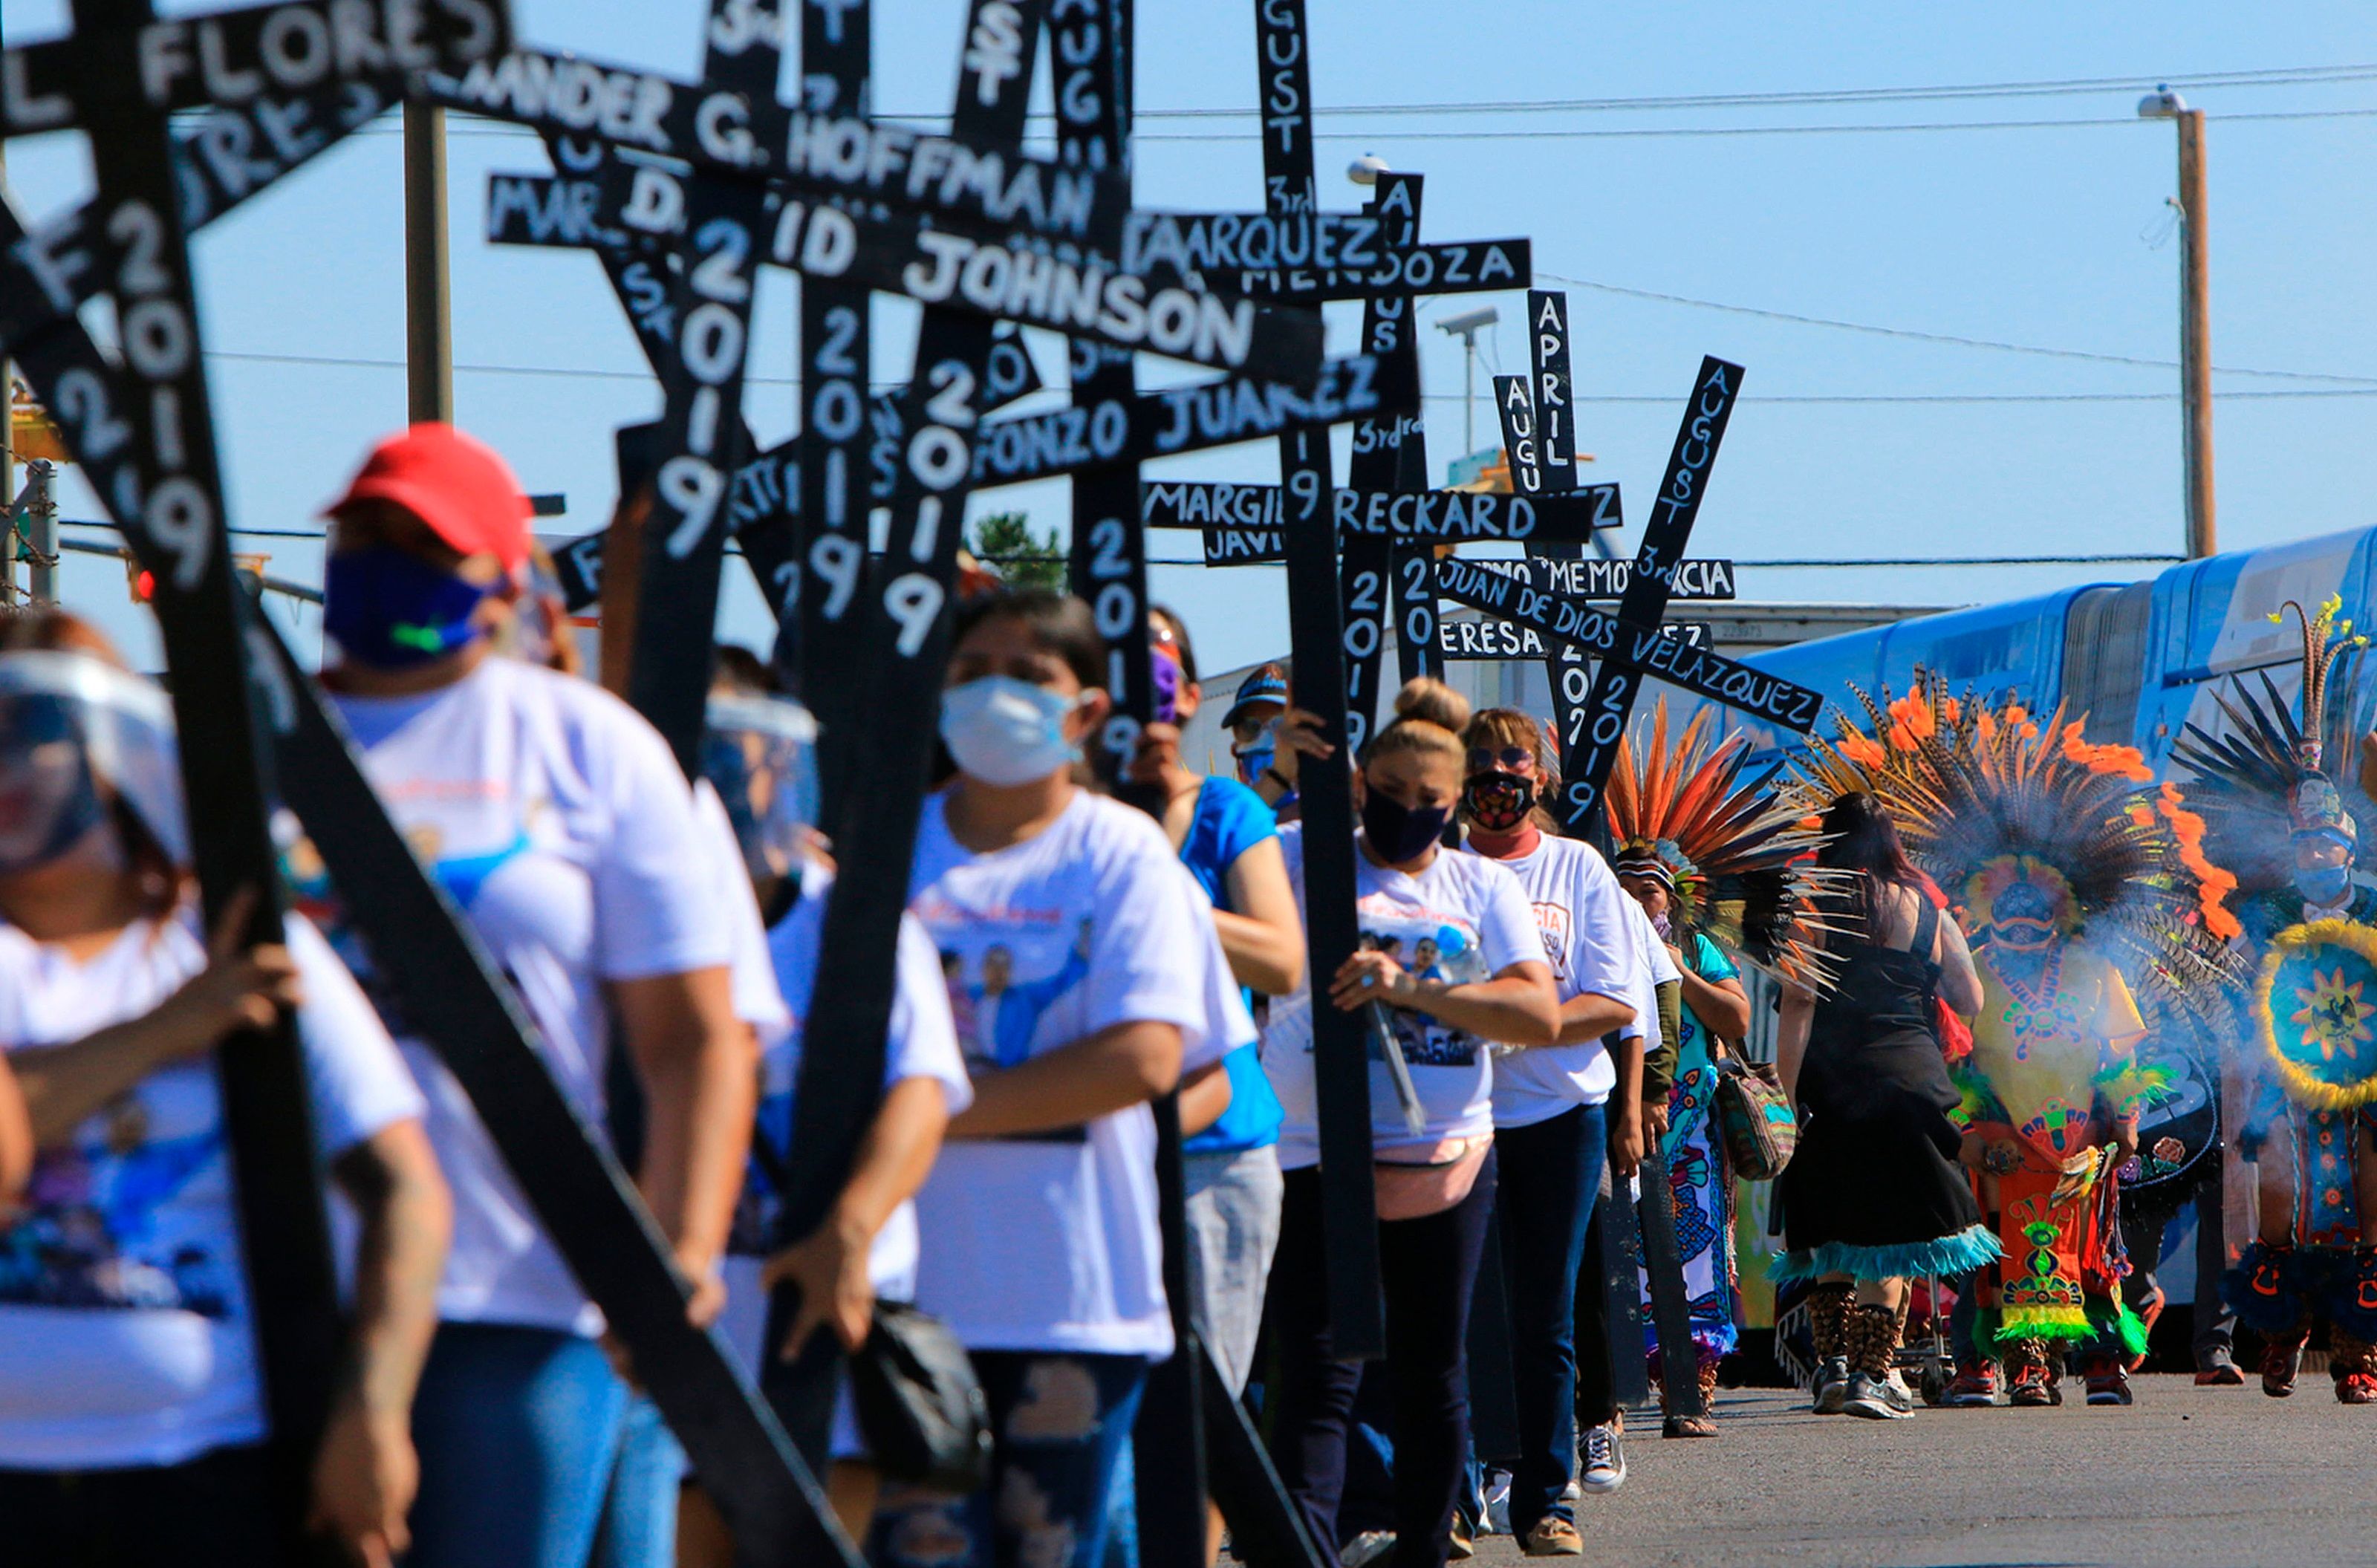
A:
{"x":1398,"y":833}
{"x":1498,"y":802}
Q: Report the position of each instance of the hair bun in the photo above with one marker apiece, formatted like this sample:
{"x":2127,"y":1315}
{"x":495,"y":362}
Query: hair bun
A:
{"x":1427,"y":701}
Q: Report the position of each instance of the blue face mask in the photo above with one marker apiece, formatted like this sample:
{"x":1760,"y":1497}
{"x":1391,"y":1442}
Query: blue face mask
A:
{"x":394,"y":611}
{"x":2325,"y":885}
{"x":1008,"y":732}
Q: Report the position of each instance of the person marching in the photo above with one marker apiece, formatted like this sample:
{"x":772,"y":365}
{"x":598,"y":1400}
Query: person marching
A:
{"x":1227,"y":836}
{"x":556,"y":820}
{"x":132,"y":1419}
{"x":1873,"y":1192}
{"x":1082,"y":974}
{"x":1715,"y":860}
{"x":1561,"y":1110}
{"x":1435,"y":1183}
{"x":2065,"y":868}
{"x":759,"y":755}
{"x":2311,"y":925}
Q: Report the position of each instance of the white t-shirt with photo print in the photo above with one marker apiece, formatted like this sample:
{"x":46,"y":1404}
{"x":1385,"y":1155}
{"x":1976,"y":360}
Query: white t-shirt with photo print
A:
{"x":1589,"y":936}
{"x":1049,"y":1241}
{"x":124,"y":1327}
{"x":1465,"y":919}
{"x":555,"y":819}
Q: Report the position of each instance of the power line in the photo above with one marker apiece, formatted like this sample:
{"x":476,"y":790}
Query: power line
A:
{"x":2298,"y":75}
{"x":1909,"y":332}
{"x":1581,"y":133}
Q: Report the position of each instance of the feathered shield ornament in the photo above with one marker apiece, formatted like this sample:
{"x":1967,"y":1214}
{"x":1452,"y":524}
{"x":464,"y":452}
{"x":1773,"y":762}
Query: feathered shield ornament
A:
{"x":1982,"y":792}
{"x":1741,"y":861}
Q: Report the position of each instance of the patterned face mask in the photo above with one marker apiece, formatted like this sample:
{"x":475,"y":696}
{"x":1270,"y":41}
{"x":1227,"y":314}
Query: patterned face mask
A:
{"x":1497,"y":801}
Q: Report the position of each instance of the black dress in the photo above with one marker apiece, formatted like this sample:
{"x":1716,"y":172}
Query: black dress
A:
{"x":1874,"y":1190}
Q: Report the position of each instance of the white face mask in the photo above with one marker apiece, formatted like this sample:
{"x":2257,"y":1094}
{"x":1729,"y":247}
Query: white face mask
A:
{"x":1005,"y":731}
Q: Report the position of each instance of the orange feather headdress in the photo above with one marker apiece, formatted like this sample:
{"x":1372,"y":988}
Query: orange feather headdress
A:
{"x":1973,"y":784}
{"x":1740,"y":860}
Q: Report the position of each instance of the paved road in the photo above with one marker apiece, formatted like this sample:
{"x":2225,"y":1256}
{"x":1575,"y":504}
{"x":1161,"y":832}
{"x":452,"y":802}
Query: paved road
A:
{"x":2186,"y":1477}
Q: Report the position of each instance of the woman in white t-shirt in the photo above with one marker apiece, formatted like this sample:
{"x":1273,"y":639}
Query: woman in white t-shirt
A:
{"x":559,"y":824}
{"x":1560,"y":1111}
{"x":132,"y":1417}
{"x":1421,"y":907}
{"x":759,"y":758}
{"x":1081,"y":977}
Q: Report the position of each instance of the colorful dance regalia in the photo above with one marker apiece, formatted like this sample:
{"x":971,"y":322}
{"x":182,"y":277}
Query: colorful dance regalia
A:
{"x":1687,"y":812}
{"x":2076,"y":880}
{"x":1698,"y":1176}
{"x":2314,"y":1011}
{"x":2053,"y":1071}
{"x":2309,"y":1023}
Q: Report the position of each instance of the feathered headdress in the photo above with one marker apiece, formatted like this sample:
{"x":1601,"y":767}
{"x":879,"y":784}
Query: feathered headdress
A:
{"x":1992,"y":802}
{"x":1741,"y":863}
{"x":2264,"y":781}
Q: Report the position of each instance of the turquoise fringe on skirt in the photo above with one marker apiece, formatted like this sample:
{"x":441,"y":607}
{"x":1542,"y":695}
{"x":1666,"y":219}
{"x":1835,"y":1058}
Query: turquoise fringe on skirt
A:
{"x":1960,"y":1253}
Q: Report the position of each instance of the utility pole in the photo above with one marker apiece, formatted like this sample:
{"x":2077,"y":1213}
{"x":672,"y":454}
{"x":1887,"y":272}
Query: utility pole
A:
{"x":2195,"y":316}
{"x":2196,"y":355}
{"x":41,"y":529}
{"x":428,"y":305}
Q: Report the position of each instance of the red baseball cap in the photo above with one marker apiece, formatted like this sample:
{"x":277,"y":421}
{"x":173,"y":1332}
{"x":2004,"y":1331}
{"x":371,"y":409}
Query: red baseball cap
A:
{"x":456,"y":484}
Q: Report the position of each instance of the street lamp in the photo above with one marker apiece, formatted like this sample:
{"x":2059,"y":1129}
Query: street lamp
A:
{"x":1466,"y":326}
{"x":2195,"y":315}
{"x":1366,"y":170}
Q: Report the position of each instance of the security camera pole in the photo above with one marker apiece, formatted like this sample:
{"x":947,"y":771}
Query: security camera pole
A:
{"x":1466,"y":326}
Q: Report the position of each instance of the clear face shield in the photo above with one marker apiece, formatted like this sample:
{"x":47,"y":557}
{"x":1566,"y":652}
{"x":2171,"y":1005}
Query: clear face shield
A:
{"x":76,"y":733}
{"x":760,"y":755}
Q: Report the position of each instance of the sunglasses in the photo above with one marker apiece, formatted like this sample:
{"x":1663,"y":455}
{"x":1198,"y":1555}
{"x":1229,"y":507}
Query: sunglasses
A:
{"x":1517,"y":758}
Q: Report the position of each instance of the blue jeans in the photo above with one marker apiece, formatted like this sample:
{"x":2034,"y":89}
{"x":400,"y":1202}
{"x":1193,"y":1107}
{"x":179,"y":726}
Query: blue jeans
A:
{"x":1550,"y":1175}
{"x":1059,"y":1422}
{"x":518,"y":1429}
{"x":640,"y":1514}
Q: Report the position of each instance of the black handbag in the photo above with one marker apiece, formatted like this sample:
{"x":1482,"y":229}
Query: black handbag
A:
{"x":919,"y":1404}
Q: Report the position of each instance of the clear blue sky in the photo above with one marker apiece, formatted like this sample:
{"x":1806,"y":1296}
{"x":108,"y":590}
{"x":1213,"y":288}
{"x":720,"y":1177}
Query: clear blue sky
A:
{"x":2051,"y":235}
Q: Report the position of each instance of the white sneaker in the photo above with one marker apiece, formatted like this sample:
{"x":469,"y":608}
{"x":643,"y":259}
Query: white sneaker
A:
{"x":1605,"y":1460}
{"x":1367,"y":1548}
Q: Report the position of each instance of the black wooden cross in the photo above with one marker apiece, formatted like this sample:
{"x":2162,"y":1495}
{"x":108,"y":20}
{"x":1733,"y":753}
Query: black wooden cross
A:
{"x":1532,"y":472}
{"x":1340,"y":1068}
{"x":836,"y":337}
{"x":149,"y":421}
{"x":701,"y":441}
{"x":1629,"y":644}
{"x":1246,"y":524}
{"x":1484,"y":640}
{"x":903,"y":624}
{"x":949,"y":264}
{"x":1366,"y":567}
{"x":1090,"y":50}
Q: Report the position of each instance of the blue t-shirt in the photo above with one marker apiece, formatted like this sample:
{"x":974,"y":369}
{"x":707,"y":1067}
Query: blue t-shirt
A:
{"x":1231,"y":819}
